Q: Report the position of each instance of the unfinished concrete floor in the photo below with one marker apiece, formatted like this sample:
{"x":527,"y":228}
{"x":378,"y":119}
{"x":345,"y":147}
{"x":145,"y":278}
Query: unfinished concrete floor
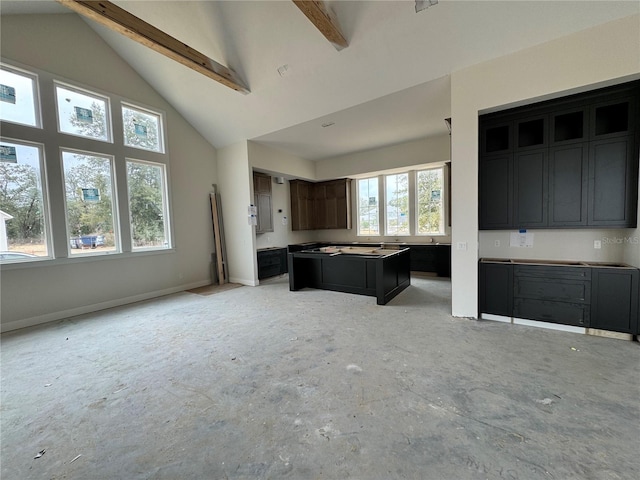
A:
{"x":257,"y":383}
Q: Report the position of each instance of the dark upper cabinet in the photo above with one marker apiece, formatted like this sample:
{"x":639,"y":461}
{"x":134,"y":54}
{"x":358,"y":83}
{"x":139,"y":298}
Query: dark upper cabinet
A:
{"x":322,"y":205}
{"x":613,"y":198}
{"x":262,"y":196}
{"x":496,"y":137}
{"x":531,"y":133}
{"x":568,"y":185}
{"x":569,"y":126}
{"x":613,"y":118}
{"x":565,"y":163}
{"x":496,"y":191}
{"x":530,"y":188}
{"x":614,"y":299}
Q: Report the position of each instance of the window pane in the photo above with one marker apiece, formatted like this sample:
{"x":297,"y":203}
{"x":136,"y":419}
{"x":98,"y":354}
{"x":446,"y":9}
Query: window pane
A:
{"x":22,"y":209}
{"x":147,"y":205}
{"x":368,"y":207}
{"x":142,"y":129}
{"x":397,"y":198}
{"x":89,"y":192}
{"x":83,"y":114}
{"x":430,"y":196}
{"x":18,"y":98}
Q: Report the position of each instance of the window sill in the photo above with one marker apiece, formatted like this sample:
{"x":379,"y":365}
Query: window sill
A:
{"x":54,"y":262}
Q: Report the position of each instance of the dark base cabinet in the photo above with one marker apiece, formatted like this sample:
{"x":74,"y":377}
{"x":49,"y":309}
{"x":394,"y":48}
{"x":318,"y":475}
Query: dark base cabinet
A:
{"x":590,"y":295}
{"x":496,"y":288}
{"x":381,"y":276}
{"x":272,"y":262}
{"x":431,"y":258}
{"x":614,"y":300}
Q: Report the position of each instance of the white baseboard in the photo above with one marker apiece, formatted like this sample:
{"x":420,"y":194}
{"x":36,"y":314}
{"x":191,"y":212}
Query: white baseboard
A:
{"x":72,"y":312}
{"x":495,"y":318}
{"x":549,"y":325}
{"x":243,"y":281}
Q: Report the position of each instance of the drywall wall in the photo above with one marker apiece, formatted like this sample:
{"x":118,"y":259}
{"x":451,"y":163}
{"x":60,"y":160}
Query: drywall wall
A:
{"x":417,"y":152}
{"x":235,"y":184}
{"x":44,"y":291}
{"x":275,"y":162}
{"x":598,"y":56}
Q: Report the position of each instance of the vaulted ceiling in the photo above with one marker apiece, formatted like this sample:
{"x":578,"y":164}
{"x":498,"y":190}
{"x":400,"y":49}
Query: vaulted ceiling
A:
{"x":389,"y":85}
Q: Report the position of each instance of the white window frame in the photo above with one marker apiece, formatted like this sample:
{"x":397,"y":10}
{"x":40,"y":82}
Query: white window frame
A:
{"x":114,"y":204}
{"x":36,"y":94}
{"x":88,"y":93}
{"x":146,"y":111}
{"x":386,"y":229}
{"x":165,"y":205}
{"x":443,"y":220}
{"x":380,"y":200}
{"x":46,"y":211}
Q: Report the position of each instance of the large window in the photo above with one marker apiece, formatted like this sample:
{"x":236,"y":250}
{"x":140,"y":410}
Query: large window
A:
{"x":88,"y":181}
{"x":19,"y":97}
{"x":430,"y":201}
{"x":397,"y":204}
{"x":23,"y":216}
{"x":414,"y":203}
{"x":147,"y":204}
{"x":368,"y":207}
{"x":104,"y":203}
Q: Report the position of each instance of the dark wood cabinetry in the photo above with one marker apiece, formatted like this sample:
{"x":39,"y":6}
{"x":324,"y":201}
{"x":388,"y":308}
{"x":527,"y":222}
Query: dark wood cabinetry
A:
{"x":600,"y":296}
{"x":262,"y":198}
{"x":552,"y":294}
{"x":614,"y":300}
{"x":322,"y":205}
{"x":271,"y":262}
{"x":496,"y":288}
{"x":566,"y":163}
{"x":431,"y":258}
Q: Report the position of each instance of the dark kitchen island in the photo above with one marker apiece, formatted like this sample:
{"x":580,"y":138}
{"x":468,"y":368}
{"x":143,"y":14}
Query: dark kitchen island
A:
{"x":376,"y":272}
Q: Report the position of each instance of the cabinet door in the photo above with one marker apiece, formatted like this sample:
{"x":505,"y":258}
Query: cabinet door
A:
{"x":614,"y":299}
{"x":568,"y":182}
{"x":496,"y":137}
{"x":496,"y":194}
{"x":613,"y":183}
{"x":496,"y":288}
{"x":300,"y":212}
{"x":265,"y":216}
{"x":530,"y":189}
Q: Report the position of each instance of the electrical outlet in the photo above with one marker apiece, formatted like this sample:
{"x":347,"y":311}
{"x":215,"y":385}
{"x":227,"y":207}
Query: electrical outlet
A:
{"x":597,"y":244}
{"x":461,"y":245}
{"x":496,"y":243}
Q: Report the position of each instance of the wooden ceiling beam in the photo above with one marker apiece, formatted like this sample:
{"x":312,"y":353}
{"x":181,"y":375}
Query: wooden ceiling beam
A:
{"x":324,"y":20}
{"x":121,"y":21}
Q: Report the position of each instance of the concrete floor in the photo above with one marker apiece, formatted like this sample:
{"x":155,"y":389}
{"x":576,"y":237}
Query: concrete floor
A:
{"x":257,"y":383}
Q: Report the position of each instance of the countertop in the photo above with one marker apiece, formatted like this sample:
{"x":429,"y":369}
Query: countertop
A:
{"x":563,"y":263}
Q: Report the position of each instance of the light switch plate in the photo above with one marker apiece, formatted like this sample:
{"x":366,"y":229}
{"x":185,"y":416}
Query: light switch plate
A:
{"x":597,"y":244}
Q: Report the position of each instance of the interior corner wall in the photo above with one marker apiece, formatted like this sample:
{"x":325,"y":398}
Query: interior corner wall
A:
{"x":235,"y":180}
{"x":50,"y":290}
{"x":592,"y":57}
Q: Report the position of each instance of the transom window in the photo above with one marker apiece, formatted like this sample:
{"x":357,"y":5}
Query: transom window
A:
{"x":142,"y":128}
{"x":82,"y":113}
{"x":19,"y":97}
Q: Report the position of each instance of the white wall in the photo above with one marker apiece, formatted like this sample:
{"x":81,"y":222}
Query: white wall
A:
{"x":278,"y":163}
{"x":64,"y":45}
{"x":588,"y":59}
{"x":235,"y":185}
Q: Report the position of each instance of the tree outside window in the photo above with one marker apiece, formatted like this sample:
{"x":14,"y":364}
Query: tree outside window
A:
{"x":430,"y":189}
{"x":397,"y":204}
